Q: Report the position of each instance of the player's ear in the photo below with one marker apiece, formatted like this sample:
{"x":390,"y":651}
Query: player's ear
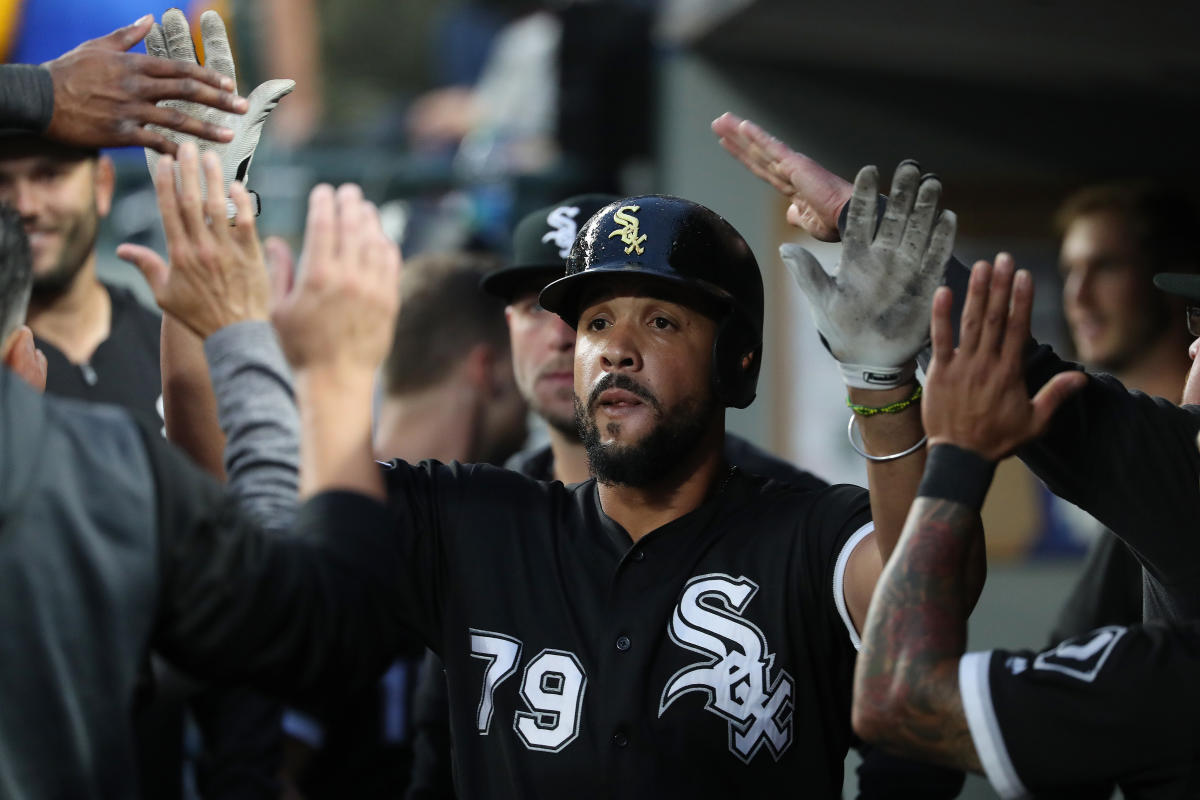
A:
{"x":477,"y":368}
{"x":487,"y":368}
{"x":22,"y":357}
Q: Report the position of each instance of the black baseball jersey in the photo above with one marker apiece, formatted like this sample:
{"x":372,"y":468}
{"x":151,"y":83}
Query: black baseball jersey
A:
{"x":711,"y":658}
{"x":1115,"y":706}
{"x":124,"y":370}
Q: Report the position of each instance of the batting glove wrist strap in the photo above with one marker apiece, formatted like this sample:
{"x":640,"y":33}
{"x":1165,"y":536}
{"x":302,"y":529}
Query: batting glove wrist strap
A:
{"x":865,"y":376}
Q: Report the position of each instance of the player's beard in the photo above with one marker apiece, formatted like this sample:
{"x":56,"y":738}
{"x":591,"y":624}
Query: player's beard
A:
{"x":659,"y":454}
{"x":78,"y":241}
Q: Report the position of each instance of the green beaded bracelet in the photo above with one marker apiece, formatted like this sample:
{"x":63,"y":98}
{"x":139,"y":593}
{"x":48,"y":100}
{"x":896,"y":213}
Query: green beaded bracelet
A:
{"x":890,"y":408}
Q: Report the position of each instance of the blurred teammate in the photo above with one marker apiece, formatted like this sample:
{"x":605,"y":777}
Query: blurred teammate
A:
{"x":1115,"y":237}
{"x":100,"y":342}
{"x":1111,"y":706}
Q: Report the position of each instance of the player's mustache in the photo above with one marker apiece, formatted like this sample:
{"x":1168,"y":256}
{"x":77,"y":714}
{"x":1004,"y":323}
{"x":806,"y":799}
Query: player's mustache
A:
{"x":619,"y":380}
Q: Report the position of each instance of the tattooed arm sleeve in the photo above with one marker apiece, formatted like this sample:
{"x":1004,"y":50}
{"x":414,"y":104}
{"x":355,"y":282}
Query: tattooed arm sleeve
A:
{"x":906,"y":692}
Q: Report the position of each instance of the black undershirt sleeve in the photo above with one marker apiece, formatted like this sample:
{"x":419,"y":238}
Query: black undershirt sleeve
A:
{"x":26,"y":97}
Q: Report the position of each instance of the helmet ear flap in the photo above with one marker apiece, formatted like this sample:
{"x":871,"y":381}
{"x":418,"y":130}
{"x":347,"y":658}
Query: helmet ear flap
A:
{"x":734,"y":383}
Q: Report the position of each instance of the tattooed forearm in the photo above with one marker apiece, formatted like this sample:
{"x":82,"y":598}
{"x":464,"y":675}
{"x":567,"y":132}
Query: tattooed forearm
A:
{"x":906,"y":694}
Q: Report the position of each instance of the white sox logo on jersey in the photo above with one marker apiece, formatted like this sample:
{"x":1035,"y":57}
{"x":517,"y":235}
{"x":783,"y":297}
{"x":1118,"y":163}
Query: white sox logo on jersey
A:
{"x":737,"y":675}
{"x":562,"y":220}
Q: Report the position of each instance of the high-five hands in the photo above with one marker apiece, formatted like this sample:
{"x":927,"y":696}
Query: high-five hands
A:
{"x":873,"y":312}
{"x":105,"y":97}
{"x":815,"y":193}
{"x":341,"y":312}
{"x":975,"y":394}
{"x":172,"y":41}
{"x":216,"y":275}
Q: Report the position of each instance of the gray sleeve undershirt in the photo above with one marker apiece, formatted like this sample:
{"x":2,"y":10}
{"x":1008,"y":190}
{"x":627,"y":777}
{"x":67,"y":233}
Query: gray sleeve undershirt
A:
{"x":256,"y":407}
{"x":26,"y":97}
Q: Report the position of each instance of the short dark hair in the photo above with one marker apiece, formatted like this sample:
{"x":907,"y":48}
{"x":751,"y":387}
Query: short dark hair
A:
{"x":1163,"y":220}
{"x":443,"y":314}
{"x":16,"y":271}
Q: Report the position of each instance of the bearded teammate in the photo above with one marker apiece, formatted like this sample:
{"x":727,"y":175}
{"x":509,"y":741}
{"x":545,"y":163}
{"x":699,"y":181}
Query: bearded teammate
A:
{"x":675,"y":622}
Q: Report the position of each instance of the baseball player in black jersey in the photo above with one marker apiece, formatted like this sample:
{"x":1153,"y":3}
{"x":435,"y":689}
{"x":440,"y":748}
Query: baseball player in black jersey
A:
{"x":1114,"y":706}
{"x":674,"y":625}
{"x":543,"y":351}
{"x":543,"y":348}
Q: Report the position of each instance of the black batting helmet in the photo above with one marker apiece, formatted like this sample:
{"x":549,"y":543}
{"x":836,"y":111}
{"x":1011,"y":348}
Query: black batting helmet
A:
{"x":683,"y":244}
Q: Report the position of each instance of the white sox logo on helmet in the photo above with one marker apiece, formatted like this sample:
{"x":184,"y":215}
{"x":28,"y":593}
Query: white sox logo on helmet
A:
{"x":628,"y":231}
{"x":737,"y":675}
{"x":562,"y":220}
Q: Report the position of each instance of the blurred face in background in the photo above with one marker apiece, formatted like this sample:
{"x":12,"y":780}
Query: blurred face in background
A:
{"x":1112,"y":308}
{"x":61,"y":196}
{"x":543,"y":352}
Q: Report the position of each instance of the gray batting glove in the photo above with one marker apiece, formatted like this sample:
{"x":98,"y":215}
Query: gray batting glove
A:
{"x":873,"y":312}
{"x":173,"y":39}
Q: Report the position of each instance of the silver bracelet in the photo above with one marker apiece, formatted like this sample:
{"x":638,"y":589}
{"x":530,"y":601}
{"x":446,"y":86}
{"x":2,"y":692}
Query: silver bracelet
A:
{"x":858,"y":449}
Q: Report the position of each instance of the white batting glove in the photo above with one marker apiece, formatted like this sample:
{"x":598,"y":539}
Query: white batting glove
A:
{"x":873,"y":312}
{"x":173,"y":39}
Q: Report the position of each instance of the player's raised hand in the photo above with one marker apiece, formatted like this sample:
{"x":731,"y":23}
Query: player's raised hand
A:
{"x":873,"y":312}
{"x":342,"y":309}
{"x":975,"y":394}
{"x":215,"y":275}
{"x":171,"y":42}
{"x":815,"y":193}
{"x":103,"y":96}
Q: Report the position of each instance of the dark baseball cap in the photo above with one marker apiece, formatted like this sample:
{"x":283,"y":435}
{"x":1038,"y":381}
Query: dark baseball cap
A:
{"x":15,"y":143}
{"x":1184,"y":284}
{"x":541,"y":243}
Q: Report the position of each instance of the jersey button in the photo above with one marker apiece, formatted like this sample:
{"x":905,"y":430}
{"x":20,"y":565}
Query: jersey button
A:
{"x":624,"y":643}
{"x":639,"y":555}
{"x":620,"y":739}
